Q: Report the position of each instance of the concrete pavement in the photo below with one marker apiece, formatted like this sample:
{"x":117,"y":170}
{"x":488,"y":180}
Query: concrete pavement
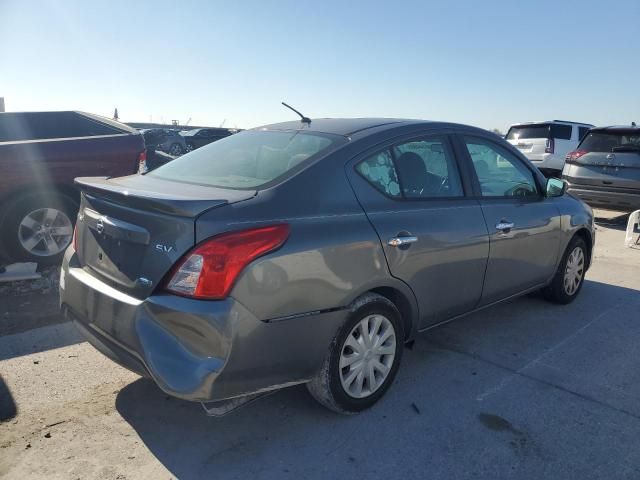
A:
{"x":523,"y":390}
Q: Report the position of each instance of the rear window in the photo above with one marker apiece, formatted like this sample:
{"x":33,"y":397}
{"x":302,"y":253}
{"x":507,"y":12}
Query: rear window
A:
{"x":606,"y":142}
{"x":47,"y":125}
{"x":246,"y":160}
{"x":528,"y":131}
{"x":543,"y":130}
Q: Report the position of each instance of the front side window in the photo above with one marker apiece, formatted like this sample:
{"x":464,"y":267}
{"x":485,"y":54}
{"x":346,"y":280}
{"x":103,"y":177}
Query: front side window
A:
{"x":427,"y":169}
{"x":380,"y":172}
{"x":246,"y":160}
{"x":500,"y":173}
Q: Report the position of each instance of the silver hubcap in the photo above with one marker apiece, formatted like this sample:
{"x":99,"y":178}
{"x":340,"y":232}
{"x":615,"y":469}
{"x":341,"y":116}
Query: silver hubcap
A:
{"x":574,"y":271}
{"x":45,"y":232}
{"x":367,"y":356}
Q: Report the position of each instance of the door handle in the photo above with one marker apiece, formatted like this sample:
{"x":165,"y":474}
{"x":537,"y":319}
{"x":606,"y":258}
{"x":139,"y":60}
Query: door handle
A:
{"x":504,"y":226}
{"x":400,"y":241}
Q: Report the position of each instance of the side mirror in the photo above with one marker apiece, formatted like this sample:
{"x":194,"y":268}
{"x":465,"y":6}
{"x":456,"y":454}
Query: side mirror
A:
{"x":555,"y":187}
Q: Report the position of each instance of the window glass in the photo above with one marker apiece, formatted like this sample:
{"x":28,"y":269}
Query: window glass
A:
{"x":606,"y":142}
{"x":561,"y":132}
{"x":500,"y":173}
{"x":582,"y":131}
{"x":246,"y":160}
{"x":379,"y":171}
{"x":528,"y":131}
{"x":44,"y":125}
{"x":427,"y":169}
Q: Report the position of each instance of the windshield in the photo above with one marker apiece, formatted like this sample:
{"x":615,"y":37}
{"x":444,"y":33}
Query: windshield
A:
{"x":245,"y":160}
{"x":607,"y":142}
{"x":528,"y":131}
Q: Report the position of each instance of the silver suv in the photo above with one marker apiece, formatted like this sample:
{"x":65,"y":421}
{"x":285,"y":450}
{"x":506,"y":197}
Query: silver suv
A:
{"x":546,"y":144}
{"x":604,"y":170}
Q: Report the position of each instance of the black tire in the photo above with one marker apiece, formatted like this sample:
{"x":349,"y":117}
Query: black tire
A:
{"x":556,"y":292}
{"x":18,"y":210}
{"x":176,"y":149}
{"x":326,"y":387}
{"x":190,"y":147}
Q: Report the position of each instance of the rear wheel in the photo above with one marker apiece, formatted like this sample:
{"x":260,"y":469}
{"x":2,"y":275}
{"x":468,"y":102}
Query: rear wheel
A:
{"x":568,"y":280}
{"x":176,"y":149}
{"x":363,"y":358}
{"x":39,"y":228}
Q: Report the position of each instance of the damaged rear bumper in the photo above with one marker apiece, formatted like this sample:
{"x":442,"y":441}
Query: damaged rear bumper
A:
{"x":193,"y":349}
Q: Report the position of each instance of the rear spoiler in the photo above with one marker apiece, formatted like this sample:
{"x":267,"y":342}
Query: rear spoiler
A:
{"x":130,"y":191}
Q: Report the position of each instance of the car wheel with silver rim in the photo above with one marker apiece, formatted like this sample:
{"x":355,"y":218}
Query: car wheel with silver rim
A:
{"x":363,"y":358}
{"x":569,"y":277}
{"x":39,"y":228}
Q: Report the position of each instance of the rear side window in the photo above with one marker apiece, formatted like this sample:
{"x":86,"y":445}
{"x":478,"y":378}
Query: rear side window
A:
{"x":427,"y":169}
{"x":561,"y":132}
{"x":424,"y":168}
{"x":247,"y":160}
{"x":380,"y":172}
{"x":47,"y":125}
{"x":582,"y":131}
{"x":607,"y":142}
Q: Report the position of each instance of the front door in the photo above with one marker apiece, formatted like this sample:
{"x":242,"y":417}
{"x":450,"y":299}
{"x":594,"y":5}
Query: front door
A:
{"x":523,"y":225}
{"x":434,"y":236}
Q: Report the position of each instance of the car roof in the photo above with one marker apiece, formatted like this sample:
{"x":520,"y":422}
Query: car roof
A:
{"x":542,"y":122}
{"x":340,"y":126}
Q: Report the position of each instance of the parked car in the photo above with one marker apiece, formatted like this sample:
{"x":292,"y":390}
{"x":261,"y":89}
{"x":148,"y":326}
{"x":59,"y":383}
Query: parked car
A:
{"x":199,"y":137}
{"x":604,"y":170}
{"x":296,"y":254}
{"x":546,"y":144}
{"x":165,"y":140}
{"x":40,"y":155}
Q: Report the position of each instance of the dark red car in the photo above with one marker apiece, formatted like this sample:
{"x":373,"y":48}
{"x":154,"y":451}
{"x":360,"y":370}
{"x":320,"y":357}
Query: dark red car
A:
{"x":40,"y":155}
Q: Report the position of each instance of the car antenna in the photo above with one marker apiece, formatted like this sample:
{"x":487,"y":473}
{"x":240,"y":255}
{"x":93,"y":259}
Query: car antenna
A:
{"x":303,"y":119}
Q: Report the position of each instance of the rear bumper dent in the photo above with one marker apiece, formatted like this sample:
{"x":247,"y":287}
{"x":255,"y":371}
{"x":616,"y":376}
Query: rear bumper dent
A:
{"x":196,"y":350}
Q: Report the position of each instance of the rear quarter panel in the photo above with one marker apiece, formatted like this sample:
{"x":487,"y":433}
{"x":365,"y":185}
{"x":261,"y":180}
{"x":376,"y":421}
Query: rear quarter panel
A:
{"x":332,"y":256}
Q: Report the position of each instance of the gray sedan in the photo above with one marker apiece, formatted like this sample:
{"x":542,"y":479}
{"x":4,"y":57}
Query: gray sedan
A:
{"x":312,"y":253}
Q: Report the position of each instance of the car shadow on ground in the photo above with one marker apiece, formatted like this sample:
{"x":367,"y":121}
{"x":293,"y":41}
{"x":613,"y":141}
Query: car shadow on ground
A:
{"x":436,"y":388}
{"x":618,"y":222}
{"x":8,"y":408}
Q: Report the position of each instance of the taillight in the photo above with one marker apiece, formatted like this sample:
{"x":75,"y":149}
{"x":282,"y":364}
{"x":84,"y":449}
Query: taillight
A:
{"x":550,"y":145}
{"x":211,"y":268}
{"x":142,"y":162}
{"x":575,"y":155}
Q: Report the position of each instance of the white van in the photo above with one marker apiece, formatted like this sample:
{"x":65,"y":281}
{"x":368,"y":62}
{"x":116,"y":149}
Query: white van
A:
{"x":546,"y":144}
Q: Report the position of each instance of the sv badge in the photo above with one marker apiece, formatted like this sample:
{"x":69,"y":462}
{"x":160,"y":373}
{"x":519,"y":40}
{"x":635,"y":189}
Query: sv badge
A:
{"x":163,"y":248}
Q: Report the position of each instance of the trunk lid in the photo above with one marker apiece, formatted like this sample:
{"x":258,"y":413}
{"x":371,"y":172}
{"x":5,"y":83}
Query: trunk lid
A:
{"x":132,"y":230}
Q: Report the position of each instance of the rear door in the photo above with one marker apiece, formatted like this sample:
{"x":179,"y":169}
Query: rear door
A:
{"x":434,"y":236}
{"x":524,"y":226}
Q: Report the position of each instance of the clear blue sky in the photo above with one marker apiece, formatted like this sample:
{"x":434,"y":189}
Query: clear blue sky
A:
{"x":478,"y":62}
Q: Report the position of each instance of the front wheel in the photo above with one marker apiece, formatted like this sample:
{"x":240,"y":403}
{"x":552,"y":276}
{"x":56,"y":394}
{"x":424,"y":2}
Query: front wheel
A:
{"x":568,"y":280}
{"x":363,"y":358}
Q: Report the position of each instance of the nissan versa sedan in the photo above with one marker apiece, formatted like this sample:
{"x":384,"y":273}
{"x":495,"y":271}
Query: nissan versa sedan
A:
{"x":311,"y":253}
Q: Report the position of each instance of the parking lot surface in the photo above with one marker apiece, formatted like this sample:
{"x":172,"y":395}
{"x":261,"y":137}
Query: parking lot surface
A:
{"x":523,"y":390}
